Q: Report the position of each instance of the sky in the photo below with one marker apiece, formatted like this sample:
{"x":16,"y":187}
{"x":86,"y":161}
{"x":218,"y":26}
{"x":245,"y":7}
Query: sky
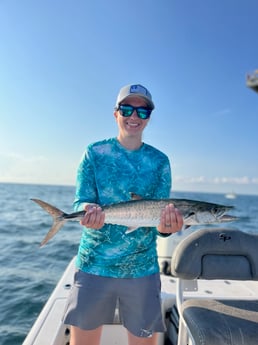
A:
{"x":62,"y":63}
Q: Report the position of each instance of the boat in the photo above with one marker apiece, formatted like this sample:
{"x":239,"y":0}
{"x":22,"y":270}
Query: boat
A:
{"x":48,"y":328}
{"x":252,"y":80}
{"x":231,"y":195}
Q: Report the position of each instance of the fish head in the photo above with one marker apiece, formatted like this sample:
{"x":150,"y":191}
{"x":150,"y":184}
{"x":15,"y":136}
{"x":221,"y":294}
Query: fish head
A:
{"x":219,"y":210}
{"x":217,"y":214}
{"x":208,"y":213}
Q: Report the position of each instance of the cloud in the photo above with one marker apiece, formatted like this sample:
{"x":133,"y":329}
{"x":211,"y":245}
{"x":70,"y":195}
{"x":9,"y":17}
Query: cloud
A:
{"x":222,"y":112}
{"x":15,"y":167}
{"x":244,"y":180}
{"x":21,"y":168}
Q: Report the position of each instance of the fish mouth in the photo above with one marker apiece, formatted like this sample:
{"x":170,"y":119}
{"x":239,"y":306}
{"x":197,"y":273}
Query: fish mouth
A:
{"x":228,"y":218}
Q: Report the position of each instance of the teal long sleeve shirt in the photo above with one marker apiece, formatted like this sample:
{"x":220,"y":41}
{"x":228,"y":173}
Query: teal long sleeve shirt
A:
{"x":107,"y":174}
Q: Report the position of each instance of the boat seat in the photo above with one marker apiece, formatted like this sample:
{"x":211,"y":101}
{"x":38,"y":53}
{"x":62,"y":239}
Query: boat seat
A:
{"x":215,"y":254}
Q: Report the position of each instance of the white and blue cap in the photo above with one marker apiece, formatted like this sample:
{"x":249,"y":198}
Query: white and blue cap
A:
{"x":135,"y":90}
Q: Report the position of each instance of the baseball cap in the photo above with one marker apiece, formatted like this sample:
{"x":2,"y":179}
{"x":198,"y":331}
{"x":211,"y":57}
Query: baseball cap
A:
{"x":135,"y":90}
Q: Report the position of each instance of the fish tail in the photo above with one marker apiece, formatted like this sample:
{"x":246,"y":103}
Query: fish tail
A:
{"x":58,"y":219}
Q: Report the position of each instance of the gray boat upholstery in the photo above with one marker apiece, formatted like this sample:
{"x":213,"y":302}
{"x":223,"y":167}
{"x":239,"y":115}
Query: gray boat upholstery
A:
{"x":212,"y":254}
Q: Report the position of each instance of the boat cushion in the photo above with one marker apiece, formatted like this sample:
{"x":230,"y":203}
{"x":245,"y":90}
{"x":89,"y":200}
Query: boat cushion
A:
{"x":215,"y":253}
{"x":214,"y":322}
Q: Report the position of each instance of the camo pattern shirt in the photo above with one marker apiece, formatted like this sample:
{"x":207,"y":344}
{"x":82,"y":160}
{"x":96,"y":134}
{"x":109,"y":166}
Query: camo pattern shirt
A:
{"x":107,"y":174}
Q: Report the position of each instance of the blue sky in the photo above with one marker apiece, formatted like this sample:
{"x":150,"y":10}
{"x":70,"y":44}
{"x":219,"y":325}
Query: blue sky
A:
{"x":63,"y":62}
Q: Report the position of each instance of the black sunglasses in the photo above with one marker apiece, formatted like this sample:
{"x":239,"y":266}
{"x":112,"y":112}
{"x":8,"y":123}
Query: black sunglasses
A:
{"x":127,"y":110}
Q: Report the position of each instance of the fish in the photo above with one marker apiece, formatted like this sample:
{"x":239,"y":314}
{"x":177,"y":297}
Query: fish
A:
{"x":143,"y":213}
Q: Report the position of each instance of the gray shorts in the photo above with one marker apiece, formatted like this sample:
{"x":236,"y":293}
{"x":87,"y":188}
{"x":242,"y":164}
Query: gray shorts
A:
{"x":93,"y":300}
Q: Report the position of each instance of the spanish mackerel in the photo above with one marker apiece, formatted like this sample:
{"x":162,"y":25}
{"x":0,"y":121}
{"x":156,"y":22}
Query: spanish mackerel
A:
{"x":143,"y":213}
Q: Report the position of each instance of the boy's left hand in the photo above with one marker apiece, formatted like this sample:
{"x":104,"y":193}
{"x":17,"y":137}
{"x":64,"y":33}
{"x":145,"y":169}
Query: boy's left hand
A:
{"x":171,"y":220}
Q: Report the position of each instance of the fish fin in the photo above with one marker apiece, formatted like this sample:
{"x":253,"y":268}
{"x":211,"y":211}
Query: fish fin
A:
{"x":130,"y":229}
{"x":52,"y":210}
{"x":135,"y":196}
{"x":185,"y":227}
{"x":58,"y":220}
{"x":54,"y":229}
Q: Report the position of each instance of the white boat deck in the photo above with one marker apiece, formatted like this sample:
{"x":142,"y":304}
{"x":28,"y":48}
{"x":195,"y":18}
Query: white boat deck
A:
{"x":49,"y":330}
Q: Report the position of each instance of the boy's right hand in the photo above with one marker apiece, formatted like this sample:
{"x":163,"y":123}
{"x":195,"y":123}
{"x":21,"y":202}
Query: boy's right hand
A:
{"x":94,"y":217}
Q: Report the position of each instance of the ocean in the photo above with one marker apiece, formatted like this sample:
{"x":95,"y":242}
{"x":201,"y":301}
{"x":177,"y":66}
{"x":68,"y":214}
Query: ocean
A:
{"x":29,"y":274}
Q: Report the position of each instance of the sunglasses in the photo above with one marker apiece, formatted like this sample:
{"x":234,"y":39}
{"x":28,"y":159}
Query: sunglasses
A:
{"x":127,"y":110}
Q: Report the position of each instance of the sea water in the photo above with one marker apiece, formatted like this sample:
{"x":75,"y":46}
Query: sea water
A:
{"x":28,"y":274}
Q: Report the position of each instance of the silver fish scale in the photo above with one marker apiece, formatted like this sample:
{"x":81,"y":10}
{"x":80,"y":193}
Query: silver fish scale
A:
{"x":148,"y":212}
{"x":135,"y":213}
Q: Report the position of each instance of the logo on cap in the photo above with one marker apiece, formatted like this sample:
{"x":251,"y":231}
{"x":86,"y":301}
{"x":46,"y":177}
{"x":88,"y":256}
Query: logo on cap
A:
{"x":138,"y":89}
